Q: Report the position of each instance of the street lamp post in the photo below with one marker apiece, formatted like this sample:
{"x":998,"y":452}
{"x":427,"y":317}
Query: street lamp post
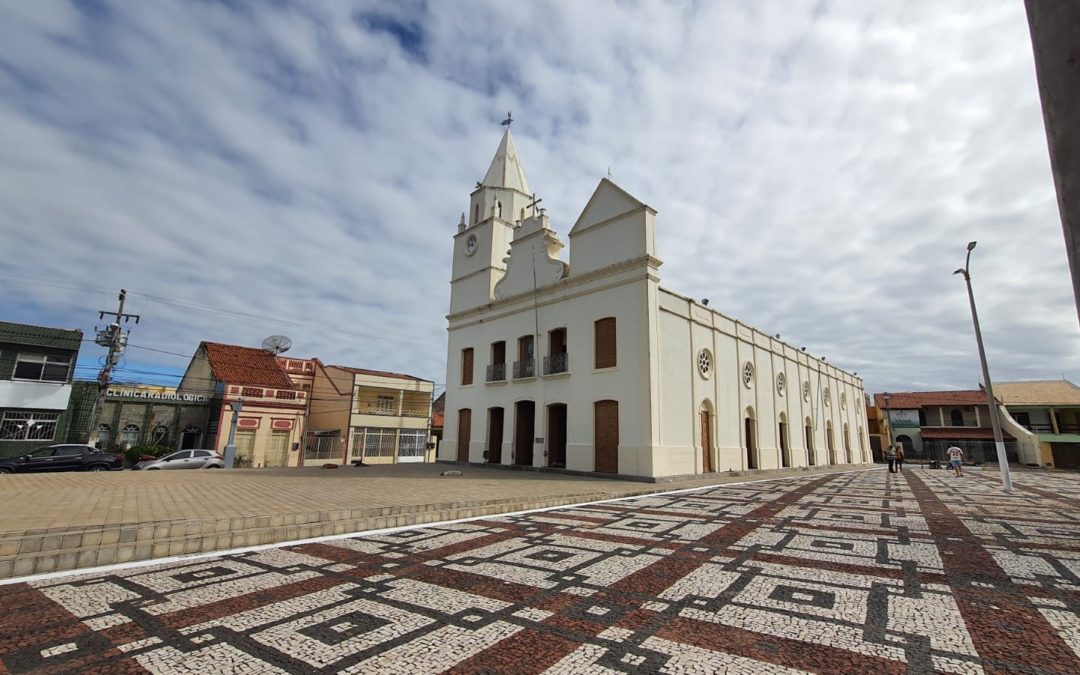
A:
{"x":999,"y":443}
{"x":230,"y":445}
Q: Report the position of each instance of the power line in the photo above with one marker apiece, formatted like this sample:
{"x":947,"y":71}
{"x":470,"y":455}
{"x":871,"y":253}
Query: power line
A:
{"x":316,"y":328}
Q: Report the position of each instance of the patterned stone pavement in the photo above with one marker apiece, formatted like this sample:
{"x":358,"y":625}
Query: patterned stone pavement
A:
{"x":856,"y":572}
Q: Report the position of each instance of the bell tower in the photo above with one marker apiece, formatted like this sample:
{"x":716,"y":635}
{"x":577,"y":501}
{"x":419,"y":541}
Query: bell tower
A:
{"x":482,"y":242}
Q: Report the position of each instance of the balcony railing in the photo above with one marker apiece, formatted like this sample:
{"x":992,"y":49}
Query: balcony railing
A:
{"x":524,"y":368}
{"x":1049,"y":428}
{"x":375,"y":409}
{"x":496,"y":372}
{"x":556,"y":363}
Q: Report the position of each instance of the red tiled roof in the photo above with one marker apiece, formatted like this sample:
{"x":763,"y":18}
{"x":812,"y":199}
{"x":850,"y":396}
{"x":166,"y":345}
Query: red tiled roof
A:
{"x":907,"y":400}
{"x":961,"y":434}
{"x":379,"y":373}
{"x":246,"y":365}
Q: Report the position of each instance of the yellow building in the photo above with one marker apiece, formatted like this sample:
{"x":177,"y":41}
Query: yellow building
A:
{"x":368,"y":416}
{"x":1046,"y":413}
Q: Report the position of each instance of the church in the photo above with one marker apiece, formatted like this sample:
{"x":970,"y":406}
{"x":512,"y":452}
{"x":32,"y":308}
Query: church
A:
{"x":589,"y":365}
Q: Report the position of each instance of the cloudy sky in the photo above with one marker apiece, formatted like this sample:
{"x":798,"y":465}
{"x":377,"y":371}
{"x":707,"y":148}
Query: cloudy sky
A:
{"x":246,"y":169}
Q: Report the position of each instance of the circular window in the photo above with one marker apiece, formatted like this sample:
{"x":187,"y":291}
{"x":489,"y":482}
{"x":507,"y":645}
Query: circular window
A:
{"x":806,"y":390}
{"x":748,"y":373}
{"x":781,"y":384}
{"x":843,"y":400}
{"x":704,"y":363}
{"x":825,"y":397}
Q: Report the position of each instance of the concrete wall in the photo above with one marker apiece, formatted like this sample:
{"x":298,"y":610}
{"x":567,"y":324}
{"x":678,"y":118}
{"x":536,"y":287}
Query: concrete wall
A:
{"x":1055,"y":35}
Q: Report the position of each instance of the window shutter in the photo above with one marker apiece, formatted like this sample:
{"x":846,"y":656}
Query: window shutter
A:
{"x":466,"y":365}
{"x":606,"y":356}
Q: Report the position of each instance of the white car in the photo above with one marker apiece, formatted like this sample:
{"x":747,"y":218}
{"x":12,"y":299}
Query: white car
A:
{"x":184,"y":459}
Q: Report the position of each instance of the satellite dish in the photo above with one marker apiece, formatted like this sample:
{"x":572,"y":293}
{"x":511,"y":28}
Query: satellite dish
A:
{"x":277,"y":344}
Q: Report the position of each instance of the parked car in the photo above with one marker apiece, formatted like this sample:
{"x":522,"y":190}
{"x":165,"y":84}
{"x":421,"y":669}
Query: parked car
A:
{"x":66,"y":457}
{"x":184,"y":459}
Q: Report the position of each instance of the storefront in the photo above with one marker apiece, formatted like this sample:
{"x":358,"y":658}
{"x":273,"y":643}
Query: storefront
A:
{"x":153,"y":415}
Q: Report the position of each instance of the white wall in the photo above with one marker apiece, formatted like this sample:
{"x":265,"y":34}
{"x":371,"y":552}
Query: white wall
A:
{"x":39,"y":395}
{"x":686,"y":328}
{"x":575,"y":307}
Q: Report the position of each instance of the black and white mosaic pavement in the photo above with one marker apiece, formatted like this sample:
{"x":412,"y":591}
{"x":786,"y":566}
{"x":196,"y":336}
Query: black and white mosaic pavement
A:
{"x":859,"y":572}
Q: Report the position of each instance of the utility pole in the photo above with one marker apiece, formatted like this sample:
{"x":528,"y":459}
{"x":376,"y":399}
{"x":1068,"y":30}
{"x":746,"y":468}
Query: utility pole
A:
{"x":113,"y":337}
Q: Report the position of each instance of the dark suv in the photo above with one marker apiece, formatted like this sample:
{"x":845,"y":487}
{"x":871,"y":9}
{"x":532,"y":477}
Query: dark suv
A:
{"x":63,"y":458}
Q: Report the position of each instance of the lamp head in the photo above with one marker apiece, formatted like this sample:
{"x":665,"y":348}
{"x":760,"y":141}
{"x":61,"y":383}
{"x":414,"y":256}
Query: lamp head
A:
{"x":971,"y":245}
{"x":960,"y":271}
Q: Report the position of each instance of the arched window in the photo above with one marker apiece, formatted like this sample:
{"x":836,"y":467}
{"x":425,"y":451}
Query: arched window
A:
{"x":160,"y":435}
{"x":605,"y":343}
{"x":808,"y":431}
{"x":957,"y":416}
{"x":498,"y":209}
{"x":192,"y":437}
{"x":476,"y":214}
{"x":829,"y":442}
{"x":847,"y":443}
{"x":522,"y":213}
{"x":104,"y":432}
{"x":905,"y":442}
{"x":129,"y":436}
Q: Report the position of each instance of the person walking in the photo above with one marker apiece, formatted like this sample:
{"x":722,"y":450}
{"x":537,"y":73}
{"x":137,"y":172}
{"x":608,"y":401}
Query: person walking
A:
{"x":899,"y":457}
{"x":890,"y":454}
{"x":956,"y":460}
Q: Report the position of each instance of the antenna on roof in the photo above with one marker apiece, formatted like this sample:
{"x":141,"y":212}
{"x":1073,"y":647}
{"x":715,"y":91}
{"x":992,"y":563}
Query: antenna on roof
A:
{"x":277,"y":344}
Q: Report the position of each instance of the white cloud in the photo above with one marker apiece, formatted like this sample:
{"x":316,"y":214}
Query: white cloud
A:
{"x":818,"y":167}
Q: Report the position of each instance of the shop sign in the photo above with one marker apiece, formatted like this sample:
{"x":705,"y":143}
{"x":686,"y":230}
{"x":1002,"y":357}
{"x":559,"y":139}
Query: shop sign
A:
{"x":904,"y":419}
{"x":156,"y":395}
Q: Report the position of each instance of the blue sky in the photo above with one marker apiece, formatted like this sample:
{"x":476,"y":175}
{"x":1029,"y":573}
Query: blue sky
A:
{"x":253,"y":168}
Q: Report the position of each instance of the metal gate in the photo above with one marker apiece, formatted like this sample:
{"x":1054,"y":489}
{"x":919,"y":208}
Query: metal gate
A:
{"x":321,"y":447}
{"x":975,"y":452}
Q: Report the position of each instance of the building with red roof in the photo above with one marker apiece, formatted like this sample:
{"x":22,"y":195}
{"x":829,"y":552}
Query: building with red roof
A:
{"x":270,"y":425}
{"x":925,"y":423}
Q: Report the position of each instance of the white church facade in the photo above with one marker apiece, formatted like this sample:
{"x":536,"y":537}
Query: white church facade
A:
{"x":591,"y":366}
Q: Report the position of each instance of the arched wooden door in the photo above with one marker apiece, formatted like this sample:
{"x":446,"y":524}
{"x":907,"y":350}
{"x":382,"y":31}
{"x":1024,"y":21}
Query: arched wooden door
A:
{"x":464,"y":434}
{"x":706,"y":442}
{"x":606,"y":436}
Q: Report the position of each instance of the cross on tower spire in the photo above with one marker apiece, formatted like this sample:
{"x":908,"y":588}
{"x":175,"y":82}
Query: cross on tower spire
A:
{"x":509,"y":119}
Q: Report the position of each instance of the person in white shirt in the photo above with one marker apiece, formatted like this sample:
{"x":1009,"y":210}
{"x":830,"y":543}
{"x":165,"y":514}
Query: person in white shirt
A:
{"x":956,"y":460}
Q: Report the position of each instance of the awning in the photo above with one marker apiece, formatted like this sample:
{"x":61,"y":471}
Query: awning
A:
{"x":962,"y":434}
{"x":1060,"y":438}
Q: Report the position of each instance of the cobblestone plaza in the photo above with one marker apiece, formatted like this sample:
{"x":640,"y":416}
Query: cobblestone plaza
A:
{"x":858,"y":572}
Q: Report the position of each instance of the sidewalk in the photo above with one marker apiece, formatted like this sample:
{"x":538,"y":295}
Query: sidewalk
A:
{"x":52,"y":522}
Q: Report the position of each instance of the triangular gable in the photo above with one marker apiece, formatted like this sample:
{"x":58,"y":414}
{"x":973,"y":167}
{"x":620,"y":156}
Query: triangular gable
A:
{"x":608,"y":201}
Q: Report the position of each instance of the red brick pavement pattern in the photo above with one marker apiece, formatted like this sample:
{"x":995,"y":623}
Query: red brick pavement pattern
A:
{"x":1007,"y":629}
{"x":858,"y":572}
